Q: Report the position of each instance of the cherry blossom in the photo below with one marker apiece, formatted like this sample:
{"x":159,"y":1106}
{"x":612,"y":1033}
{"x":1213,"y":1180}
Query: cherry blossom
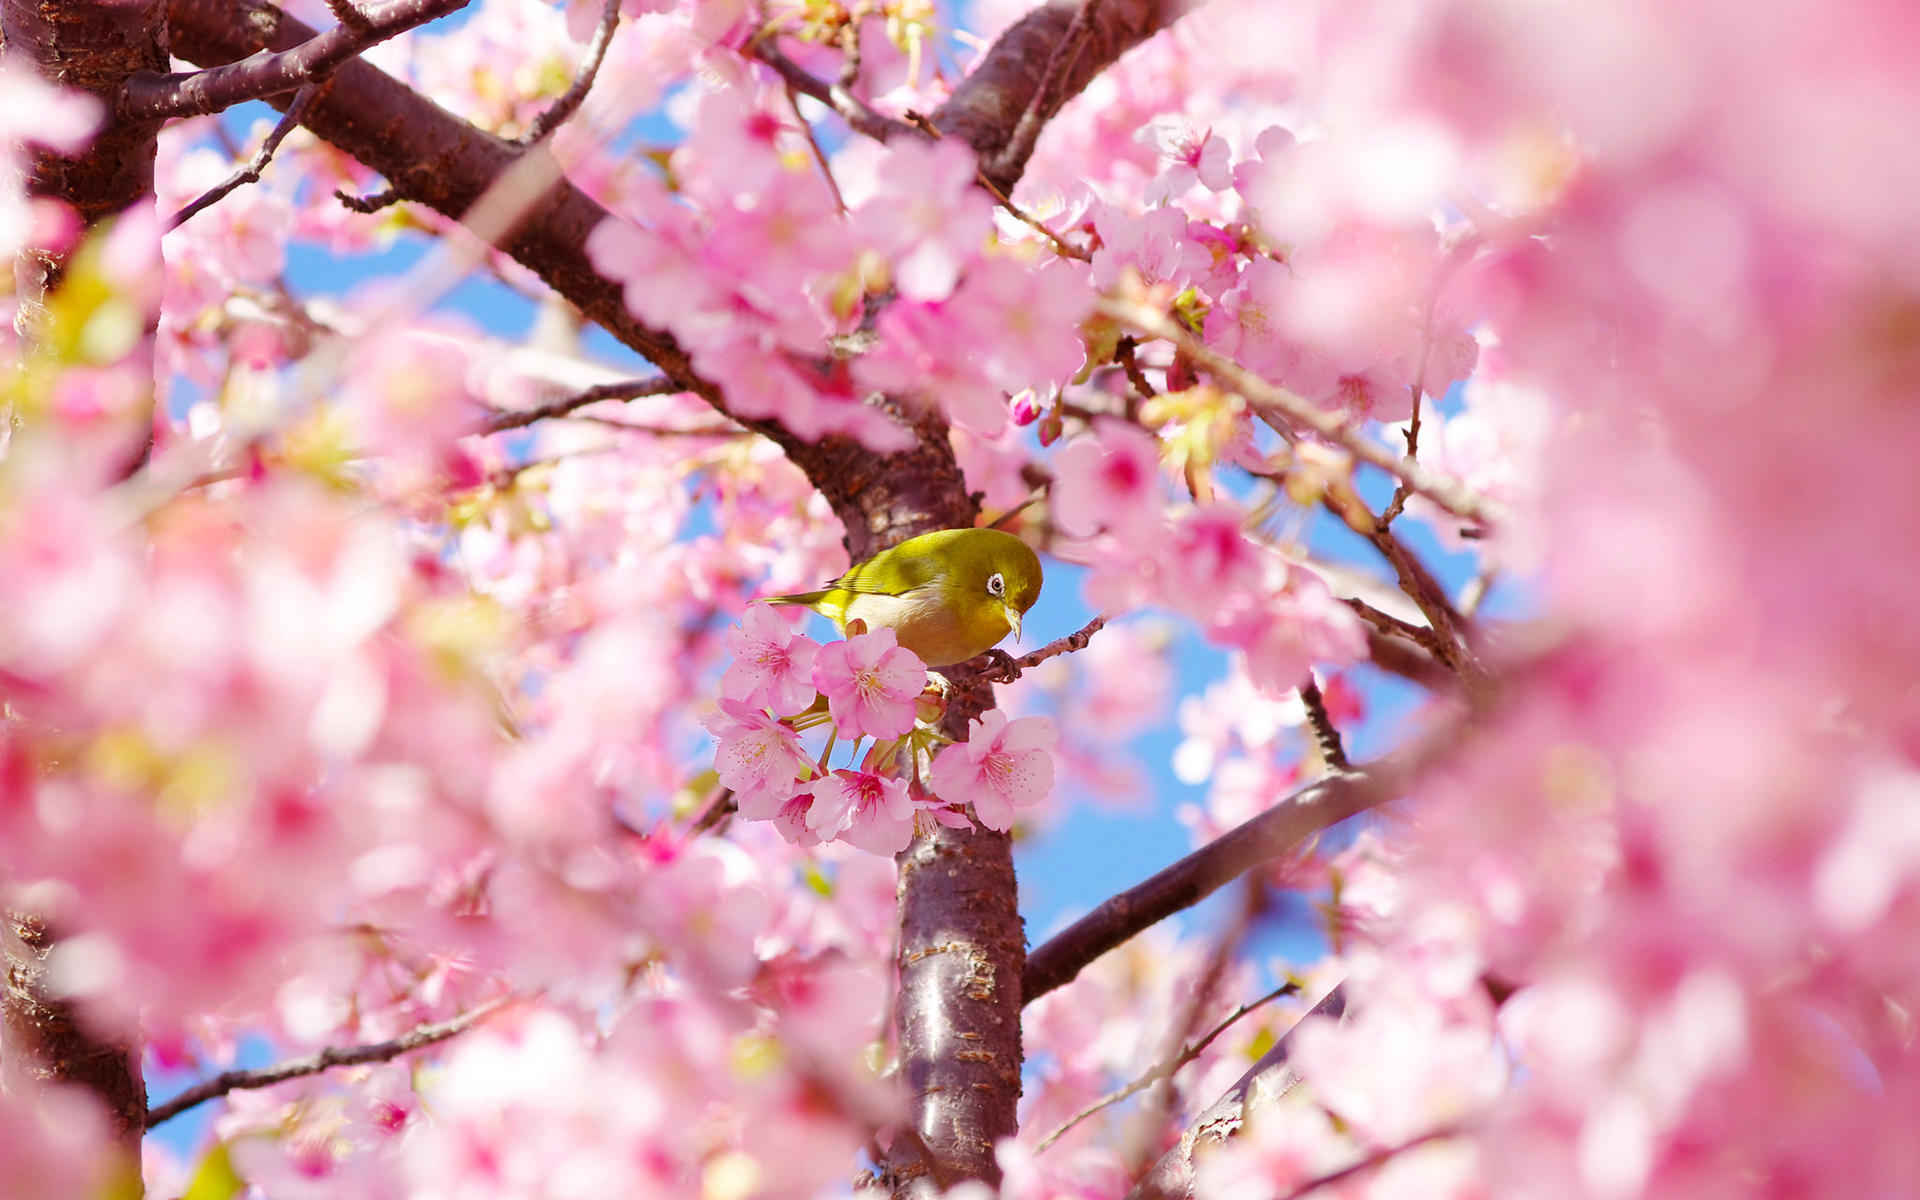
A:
{"x":871,"y":683}
{"x":772,"y":665}
{"x":1002,"y":767}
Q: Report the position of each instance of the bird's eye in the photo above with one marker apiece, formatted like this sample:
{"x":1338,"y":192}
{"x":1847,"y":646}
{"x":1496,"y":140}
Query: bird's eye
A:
{"x":996,"y":586}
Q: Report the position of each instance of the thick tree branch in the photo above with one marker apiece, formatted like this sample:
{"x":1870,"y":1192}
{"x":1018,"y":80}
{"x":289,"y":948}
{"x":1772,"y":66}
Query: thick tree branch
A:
{"x":313,"y":1064}
{"x":151,"y":96}
{"x":1306,"y":812}
{"x":1046,"y":58}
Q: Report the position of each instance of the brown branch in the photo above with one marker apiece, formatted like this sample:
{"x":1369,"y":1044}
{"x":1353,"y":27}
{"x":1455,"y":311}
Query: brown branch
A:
{"x":1026,"y":131}
{"x":1013,"y":79}
{"x":625,"y":389}
{"x":1166,"y":1067}
{"x":1446,"y":491}
{"x":368,"y":204}
{"x":1325,"y":734}
{"x":1308,"y":811}
{"x":1375,"y":1159}
{"x":859,"y":116}
{"x":1264,"y":1083}
{"x":249,"y":172}
{"x":151,"y":96}
{"x":576,"y":94}
{"x":1069,"y":644}
{"x":313,"y":1064}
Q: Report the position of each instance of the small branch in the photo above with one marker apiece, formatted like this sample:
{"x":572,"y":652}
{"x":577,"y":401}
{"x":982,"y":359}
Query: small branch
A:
{"x":250,"y":173}
{"x":1125,"y":354}
{"x":626,"y":389}
{"x":1391,"y":625}
{"x":1447,"y":492}
{"x":1261,"y":839}
{"x":1325,"y":735}
{"x":1263,"y":1084}
{"x":576,"y":95}
{"x":853,"y":110}
{"x":344,"y":12}
{"x":1166,"y":1068}
{"x":1064,"y":248}
{"x":1066,"y":645}
{"x":372,"y":202}
{"x":152,"y":96}
{"x":1377,"y":1158}
{"x":313,"y":1064}
{"x":819,"y":155}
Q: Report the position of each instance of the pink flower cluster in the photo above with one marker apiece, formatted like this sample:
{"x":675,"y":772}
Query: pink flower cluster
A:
{"x":871,"y":687}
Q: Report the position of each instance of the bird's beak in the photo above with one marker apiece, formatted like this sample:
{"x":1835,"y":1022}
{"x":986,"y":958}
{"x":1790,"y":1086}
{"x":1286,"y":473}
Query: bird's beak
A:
{"x":1013,"y":619}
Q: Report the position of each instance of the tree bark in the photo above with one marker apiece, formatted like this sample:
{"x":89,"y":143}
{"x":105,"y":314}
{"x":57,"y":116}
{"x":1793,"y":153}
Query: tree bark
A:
{"x":91,"y":46}
{"x":45,"y":1039}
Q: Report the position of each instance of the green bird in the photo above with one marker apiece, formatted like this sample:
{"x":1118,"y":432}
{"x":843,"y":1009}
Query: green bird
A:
{"x":947,"y":595}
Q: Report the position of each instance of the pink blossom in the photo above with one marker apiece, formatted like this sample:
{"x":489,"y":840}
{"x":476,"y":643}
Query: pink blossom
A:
{"x":772,"y":665}
{"x":871,"y":811}
{"x":1002,"y":767}
{"x":1152,"y":245}
{"x":758,"y":755}
{"x":1108,"y":482}
{"x":871,"y":683}
{"x":928,"y":212}
{"x":1191,"y":156}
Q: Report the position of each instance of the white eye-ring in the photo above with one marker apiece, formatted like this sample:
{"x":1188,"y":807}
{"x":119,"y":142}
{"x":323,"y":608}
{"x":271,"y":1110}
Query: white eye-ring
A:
{"x":996,"y":586}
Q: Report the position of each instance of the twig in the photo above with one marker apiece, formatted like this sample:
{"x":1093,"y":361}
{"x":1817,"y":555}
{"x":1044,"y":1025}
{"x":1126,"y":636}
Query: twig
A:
{"x":1124,"y":354}
{"x":1391,"y":625}
{"x":1263,"y":1084}
{"x":250,"y":172}
{"x":819,"y":155}
{"x":313,"y":1064}
{"x":1371,"y":1161}
{"x":1325,"y":735}
{"x":576,"y":95}
{"x":1066,"y":645}
{"x":1064,"y":248}
{"x":625,"y":389}
{"x":1167,"y":1067}
{"x":344,"y":12}
{"x":853,"y":110}
{"x":372,"y":202}
{"x":1447,"y":492}
{"x":1475,"y":593}
{"x":154,"y":96}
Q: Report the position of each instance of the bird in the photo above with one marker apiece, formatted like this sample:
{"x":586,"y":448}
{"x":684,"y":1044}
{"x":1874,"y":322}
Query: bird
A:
{"x":948,"y":596}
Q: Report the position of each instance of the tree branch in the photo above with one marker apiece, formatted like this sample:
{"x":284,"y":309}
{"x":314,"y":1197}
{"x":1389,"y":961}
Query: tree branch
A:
{"x":1045,"y":59}
{"x":151,"y":96}
{"x":576,"y":94}
{"x":1309,"y":810}
{"x":249,"y":172}
{"x":313,"y":1064}
{"x":1446,"y":491}
{"x":1166,"y":1067}
{"x":625,"y":389}
{"x":1272,"y":1077}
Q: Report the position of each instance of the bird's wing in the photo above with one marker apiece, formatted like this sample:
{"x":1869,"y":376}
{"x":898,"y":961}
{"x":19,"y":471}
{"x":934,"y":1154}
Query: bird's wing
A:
{"x":914,"y":574}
